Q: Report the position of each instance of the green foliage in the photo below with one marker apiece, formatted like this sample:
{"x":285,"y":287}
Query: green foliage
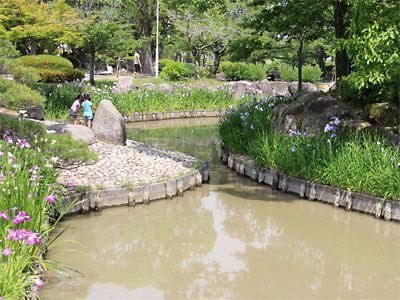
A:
{"x":24,"y":75}
{"x":237,"y":71}
{"x":372,"y":45}
{"x":309,"y":73}
{"x":60,"y":75}
{"x":164,"y":62}
{"x":203,"y":72}
{"x":287,"y":72}
{"x":21,"y":127}
{"x":173,"y":71}
{"x":223,"y":65}
{"x":15,"y":95}
{"x":190,"y":70}
{"x":241,"y":71}
{"x":45,"y":62}
{"x":52,"y":68}
{"x":337,"y":158}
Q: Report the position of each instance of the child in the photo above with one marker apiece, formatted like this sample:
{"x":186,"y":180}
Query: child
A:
{"x":75,"y":108}
{"x":87,"y":110}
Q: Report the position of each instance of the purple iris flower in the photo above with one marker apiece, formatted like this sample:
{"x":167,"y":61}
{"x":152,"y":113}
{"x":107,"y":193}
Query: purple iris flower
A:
{"x":7,"y":251}
{"x":32,"y":238}
{"x":393,"y":158}
{"x":4,"y":215}
{"x":50,"y":198}
{"x":293,"y":149}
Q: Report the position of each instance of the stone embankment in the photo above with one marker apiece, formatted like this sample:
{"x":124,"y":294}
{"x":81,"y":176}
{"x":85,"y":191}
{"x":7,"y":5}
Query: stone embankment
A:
{"x":338,"y":197}
{"x":131,"y":174}
{"x":156,"y":116}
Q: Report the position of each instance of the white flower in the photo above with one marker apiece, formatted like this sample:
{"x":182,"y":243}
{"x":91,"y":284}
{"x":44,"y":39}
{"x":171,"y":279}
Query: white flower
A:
{"x":50,"y":131}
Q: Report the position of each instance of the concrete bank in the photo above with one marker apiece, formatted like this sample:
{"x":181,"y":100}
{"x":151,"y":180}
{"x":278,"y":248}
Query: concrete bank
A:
{"x":388,"y":210}
{"x":96,"y":200}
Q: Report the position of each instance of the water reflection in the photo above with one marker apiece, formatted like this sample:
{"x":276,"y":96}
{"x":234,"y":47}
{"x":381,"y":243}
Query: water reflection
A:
{"x":229,"y":239}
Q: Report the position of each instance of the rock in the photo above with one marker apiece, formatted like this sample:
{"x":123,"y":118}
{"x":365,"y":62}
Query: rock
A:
{"x":125,"y":84}
{"x":305,"y":87}
{"x":283,"y":117}
{"x":108,"y":124}
{"x":149,"y":86}
{"x":315,"y":112}
{"x":280,"y":88}
{"x":306,"y":96}
{"x":78,"y":132}
{"x":166,"y":88}
{"x":333,"y":86}
{"x":35,"y":112}
{"x":220,"y":76}
{"x":240,"y":88}
{"x":265,"y":86}
{"x":382,"y":113}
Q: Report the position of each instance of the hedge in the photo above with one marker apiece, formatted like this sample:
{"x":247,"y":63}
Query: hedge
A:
{"x":60,"y":75}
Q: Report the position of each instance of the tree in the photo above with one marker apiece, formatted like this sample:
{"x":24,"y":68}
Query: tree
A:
{"x":35,"y":26}
{"x":202,"y":32}
{"x":301,"y":21}
{"x":102,"y":28}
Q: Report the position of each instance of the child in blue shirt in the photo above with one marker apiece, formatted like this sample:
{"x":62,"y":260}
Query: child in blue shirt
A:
{"x":87,"y":110}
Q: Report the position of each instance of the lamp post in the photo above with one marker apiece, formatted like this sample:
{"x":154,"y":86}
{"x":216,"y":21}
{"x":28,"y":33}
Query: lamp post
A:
{"x":158,"y":8}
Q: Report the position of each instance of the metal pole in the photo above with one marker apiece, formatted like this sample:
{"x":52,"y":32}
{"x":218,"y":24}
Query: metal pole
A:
{"x":158,"y":8}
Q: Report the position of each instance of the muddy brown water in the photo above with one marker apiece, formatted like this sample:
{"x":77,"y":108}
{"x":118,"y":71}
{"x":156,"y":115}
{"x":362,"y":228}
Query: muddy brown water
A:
{"x":230,"y":239}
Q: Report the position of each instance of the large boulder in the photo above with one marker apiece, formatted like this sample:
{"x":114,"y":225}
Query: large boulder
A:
{"x":383,"y":113}
{"x":316,"y":112}
{"x":305,"y":87}
{"x":108,"y":124}
{"x":265,"y":86}
{"x":240,"y":88}
{"x":149,"y":86}
{"x":125,"y":84}
{"x":78,"y":132}
{"x":35,"y":112}
{"x":280,"y":88}
{"x":284,"y":117}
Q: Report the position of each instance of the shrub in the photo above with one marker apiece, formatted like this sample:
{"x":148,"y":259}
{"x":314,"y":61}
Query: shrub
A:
{"x":203,"y":72}
{"x":237,"y":71}
{"x":25,"y":75}
{"x":45,"y":62}
{"x":287,"y":72}
{"x":16,"y":95}
{"x":257,"y":72}
{"x":60,"y":75}
{"x":223,"y":65}
{"x":164,"y":62}
{"x":311,"y":73}
{"x":190,"y":70}
{"x":173,"y":71}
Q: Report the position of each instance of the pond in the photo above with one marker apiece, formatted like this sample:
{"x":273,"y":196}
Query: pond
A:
{"x":231,"y":238}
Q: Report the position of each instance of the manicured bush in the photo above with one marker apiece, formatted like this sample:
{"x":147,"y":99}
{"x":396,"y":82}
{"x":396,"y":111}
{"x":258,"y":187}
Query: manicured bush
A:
{"x":60,"y":75}
{"x":164,"y":62}
{"x":52,"y":68}
{"x":46,"y":62}
{"x":257,"y":71}
{"x":15,"y":95}
{"x":173,"y":71}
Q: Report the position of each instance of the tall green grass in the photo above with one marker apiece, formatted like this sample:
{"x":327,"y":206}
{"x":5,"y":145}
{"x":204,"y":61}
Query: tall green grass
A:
{"x":360,"y":161}
{"x":59,"y":98}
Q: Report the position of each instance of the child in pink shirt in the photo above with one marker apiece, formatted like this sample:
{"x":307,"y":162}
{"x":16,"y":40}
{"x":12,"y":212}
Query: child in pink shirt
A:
{"x":74,"y":110}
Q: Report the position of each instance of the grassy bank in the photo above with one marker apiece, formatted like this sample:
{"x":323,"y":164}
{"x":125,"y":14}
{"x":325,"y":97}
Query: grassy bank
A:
{"x":188,"y":96}
{"x":360,"y":161}
{"x":29,"y":158}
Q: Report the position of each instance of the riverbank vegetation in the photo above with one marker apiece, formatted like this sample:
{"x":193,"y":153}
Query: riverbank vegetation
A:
{"x":360,"y":161}
{"x":29,"y":157}
{"x":202,"y":96}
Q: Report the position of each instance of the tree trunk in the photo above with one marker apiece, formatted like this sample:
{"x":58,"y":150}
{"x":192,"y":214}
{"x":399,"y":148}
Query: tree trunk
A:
{"x":91,"y":66}
{"x":217,"y":61}
{"x":342,"y":61}
{"x":321,"y":55}
{"x":299,"y":65}
{"x":197,"y":57}
{"x":147,"y":59}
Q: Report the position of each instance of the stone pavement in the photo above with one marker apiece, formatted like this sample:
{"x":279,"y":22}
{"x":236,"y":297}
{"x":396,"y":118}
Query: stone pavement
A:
{"x":128,"y":166}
